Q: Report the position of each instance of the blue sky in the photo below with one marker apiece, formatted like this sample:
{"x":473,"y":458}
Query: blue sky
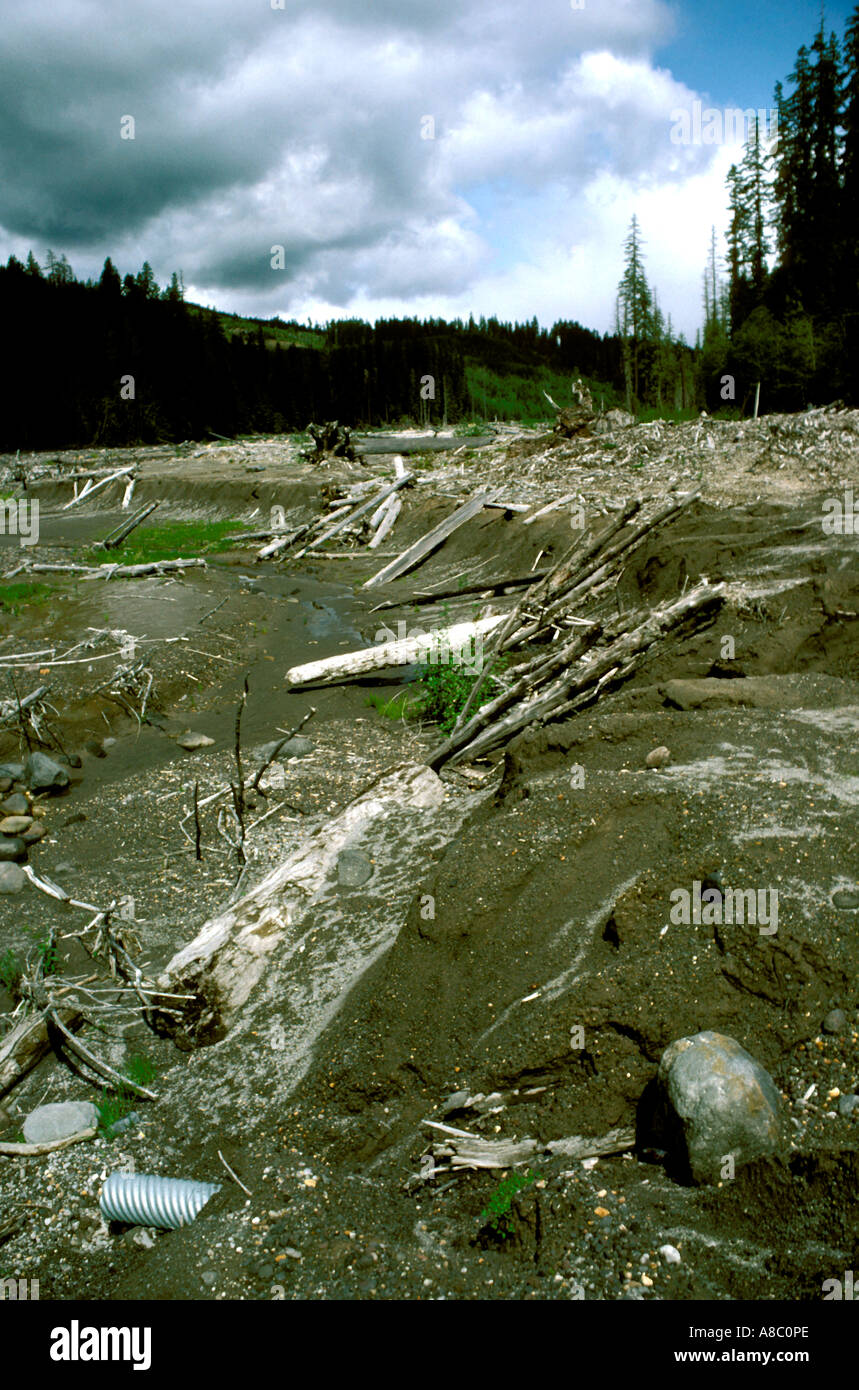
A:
{"x":736,"y":52}
{"x":258,"y":126}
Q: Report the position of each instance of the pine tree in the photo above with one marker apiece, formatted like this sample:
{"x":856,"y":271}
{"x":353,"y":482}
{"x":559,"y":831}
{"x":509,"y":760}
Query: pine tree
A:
{"x":109,"y":280}
{"x":849,"y":209}
{"x":634,"y":314}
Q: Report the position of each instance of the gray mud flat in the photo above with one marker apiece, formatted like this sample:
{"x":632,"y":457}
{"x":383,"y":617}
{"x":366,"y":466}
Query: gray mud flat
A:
{"x":518,"y":940}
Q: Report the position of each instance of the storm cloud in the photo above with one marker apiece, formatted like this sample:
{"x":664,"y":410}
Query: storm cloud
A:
{"x":307,"y":128}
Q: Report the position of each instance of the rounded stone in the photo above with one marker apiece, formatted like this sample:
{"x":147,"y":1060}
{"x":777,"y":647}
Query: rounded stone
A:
{"x":717,"y":1103}
{"x":15,"y":805}
{"x":12,"y":849}
{"x":15,"y":825}
{"x":12,"y":879}
{"x":846,"y":898}
{"x":658,"y":757}
{"x":835,"y":1021}
{"x":58,"y":1121}
{"x":44,"y":774}
{"x":353,"y":869}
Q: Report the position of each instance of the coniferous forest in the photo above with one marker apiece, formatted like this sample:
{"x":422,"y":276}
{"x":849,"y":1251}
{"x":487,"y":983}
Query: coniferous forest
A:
{"x":121,"y":361}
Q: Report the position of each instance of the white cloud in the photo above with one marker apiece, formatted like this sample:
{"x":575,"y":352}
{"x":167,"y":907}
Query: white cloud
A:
{"x":302,"y":128}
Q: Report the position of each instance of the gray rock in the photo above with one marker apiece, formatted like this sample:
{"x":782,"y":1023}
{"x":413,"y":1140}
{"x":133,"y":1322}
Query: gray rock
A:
{"x":12,"y":849}
{"x":15,"y":825}
{"x":209,"y":1278}
{"x":353,"y":868}
{"x":297,"y":747}
{"x":847,"y":1105}
{"x":15,"y":805}
{"x":14,"y":771}
{"x":120,"y":1126}
{"x":658,"y":757}
{"x":12,"y":879}
{"x":845,"y":898}
{"x":835,"y":1021}
{"x":190,"y":741}
{"x":41,"y":773}
{"x":716,"y":1100}
{"x":50,"y":1122}
{"x":35,"y":832}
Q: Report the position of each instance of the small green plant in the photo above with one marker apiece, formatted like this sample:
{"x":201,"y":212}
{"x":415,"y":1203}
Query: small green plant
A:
{"x":496,"y":1216}
{"x":115,"y":1106}
{"x":447,"y":686}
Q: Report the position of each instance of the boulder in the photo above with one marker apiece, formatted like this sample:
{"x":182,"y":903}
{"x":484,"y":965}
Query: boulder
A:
{"x":42,"y":773}
{"x":48,"y":1123}
{"x":714,"y":1102}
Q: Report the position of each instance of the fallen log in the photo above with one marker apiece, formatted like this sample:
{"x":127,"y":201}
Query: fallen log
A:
{"x":15,"y":1150}
{"x":391,"y":510}
{"x":487,"y":586}
{"x":454,"y":644}
{"x":89,"y":490}
{"x":117,"y":571}
{"x":475,"y":739}
{"x":225,"y":962}
{"x":28,"y":1042}
{"x":472,"y":1151}
{"x":119,"y":533}
{"x":356,"y":514}
{"x":422,"y":548}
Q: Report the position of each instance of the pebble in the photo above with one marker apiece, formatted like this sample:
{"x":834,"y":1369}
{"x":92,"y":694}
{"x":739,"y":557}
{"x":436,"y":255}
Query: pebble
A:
{"x":847,"y":1105}
{"x":845,"y":898}
{"x":15,"y":805}
{"x":658,"y":757}
{"x":14,"y":825}
{"x":12,"y":879}
{"x":834,"y":1022}
{"x":670,"y":1254}
{"x":209,"y":1277}
{"x":34,"y":833}
{"x":13,"y":772}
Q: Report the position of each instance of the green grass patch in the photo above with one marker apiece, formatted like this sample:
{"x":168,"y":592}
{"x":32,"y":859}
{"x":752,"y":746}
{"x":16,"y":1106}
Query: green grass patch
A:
{"x":174,"y":540}
{"x":403,"y":704}
{"x":113,"y":1106}
{"x":15,"y":597}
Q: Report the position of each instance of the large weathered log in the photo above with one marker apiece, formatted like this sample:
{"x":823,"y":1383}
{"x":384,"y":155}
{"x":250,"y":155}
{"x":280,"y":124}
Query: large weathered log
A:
{"x":424,"y":547}
{"x":29,"y":1040}
{"x":450,"y":643}
{"x":225,"y":962}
